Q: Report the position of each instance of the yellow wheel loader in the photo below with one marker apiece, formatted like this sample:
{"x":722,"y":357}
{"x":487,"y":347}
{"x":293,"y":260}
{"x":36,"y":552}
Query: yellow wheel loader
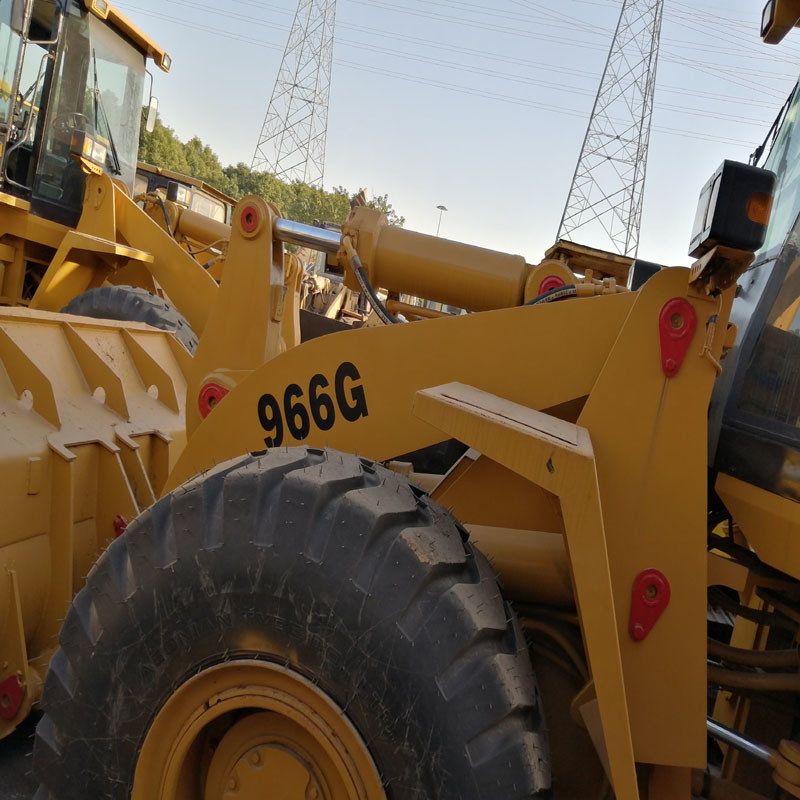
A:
{"x":332,"y":569}
{"x":184,"y":190}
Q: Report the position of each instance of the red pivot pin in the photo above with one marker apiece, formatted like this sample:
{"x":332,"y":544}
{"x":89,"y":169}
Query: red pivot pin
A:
{"x":677,"y":322}
{"x":650,"y":598}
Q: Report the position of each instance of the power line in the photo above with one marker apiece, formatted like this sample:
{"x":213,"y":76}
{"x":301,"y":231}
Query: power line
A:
{"x":540,"y":66}
{"x":492,"y":95}
{"x":724,"y":69}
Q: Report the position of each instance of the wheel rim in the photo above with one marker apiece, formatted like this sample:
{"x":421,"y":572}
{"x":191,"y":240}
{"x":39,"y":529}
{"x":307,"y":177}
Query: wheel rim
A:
{"x":253,"y":729}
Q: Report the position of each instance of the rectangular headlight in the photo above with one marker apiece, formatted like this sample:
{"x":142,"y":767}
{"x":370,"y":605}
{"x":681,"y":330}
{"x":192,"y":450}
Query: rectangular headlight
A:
{"x":99,"y":153}
{"x":85,"y":146}
{"x":100,"y":8}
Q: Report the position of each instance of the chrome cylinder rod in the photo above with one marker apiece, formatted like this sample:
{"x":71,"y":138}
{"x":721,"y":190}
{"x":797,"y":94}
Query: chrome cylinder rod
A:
{"x":724,"y":734}
{"x":291,"y":232}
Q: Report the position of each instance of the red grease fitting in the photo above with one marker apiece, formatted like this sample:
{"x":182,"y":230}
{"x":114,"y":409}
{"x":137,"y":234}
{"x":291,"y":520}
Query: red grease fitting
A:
{"x":120,"y":525}
{"x":650,"y":598}
{"x":209,"y":396}
{"x":551,"y":282}
{"x":11,"y":694}
{"x":677,"y":323}
{"x":249,"y":219}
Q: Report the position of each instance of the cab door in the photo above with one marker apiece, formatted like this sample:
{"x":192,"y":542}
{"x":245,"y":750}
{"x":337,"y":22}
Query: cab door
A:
{"x":28,"y":36}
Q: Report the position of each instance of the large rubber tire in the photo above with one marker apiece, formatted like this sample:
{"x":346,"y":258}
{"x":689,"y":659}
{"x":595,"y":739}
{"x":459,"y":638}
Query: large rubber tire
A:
{"x":356,"y":579}
{"x":131,"y":304}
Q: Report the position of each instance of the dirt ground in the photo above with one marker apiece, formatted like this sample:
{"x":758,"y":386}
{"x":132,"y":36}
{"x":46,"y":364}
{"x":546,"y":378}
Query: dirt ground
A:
{"x":16,"y":781}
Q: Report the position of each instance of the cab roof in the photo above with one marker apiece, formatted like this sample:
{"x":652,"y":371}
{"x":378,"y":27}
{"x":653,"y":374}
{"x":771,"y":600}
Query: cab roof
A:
{"x":104,"y":10}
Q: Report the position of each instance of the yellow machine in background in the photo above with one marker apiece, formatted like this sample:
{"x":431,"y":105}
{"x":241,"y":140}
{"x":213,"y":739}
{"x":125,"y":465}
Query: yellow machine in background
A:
{"x":288,"y":545}
{"x":188,"y":192}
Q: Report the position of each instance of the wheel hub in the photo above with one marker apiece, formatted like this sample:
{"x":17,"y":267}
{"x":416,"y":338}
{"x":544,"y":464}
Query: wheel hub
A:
{"x":284,"y":775}
{"x":253,"y":730}
{"x":268,"y":755}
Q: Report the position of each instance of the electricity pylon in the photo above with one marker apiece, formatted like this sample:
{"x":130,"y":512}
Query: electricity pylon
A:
{"x":292,"y":141}
{"x":604,"y":206}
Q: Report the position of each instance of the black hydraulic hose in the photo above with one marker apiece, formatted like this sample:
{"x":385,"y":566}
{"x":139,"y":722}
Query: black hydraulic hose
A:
{"x":765,"y":659}
{"x":719,"y":599}
{"x":366,"y":287}
{"x":758,"y":681}
{"x":554,"y":294}
{"x":165,"y":210}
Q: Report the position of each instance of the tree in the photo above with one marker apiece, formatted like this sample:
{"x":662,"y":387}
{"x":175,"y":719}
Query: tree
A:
{"x":163,"y":149}
{"x":381,"y":202}
{"x":204,"y":165}
{"x":296,"y":200}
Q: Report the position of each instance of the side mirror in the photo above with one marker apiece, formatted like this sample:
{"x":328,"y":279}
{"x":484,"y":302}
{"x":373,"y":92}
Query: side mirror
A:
{"x":18,"y":14}
{"x":152,"y":112}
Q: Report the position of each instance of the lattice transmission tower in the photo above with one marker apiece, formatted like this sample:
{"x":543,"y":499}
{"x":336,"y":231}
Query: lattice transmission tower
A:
{"x":604,"y":206}
{"x":292,"y":140}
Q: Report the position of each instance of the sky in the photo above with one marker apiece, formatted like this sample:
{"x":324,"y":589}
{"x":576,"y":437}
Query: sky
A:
{"x":480,"y":105}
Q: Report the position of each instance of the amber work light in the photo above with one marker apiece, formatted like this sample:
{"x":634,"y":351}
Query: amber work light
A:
{"x":733,"y":209}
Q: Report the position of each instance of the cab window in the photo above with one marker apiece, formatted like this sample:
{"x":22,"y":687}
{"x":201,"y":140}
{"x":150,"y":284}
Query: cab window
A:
{"x":22,"y":88}
{"x":9,"y":52}
{"x":784,"y":161}
{"x":97,"y":90}
{"x":771,"y":387}
{"x":207,"y":206}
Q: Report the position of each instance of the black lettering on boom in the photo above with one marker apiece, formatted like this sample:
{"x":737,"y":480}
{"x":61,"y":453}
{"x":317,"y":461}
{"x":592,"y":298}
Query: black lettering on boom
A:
{"x":354,"y":406}
{"x":269,"y":415}
{"x":295,"y":412}
{"x":320,"y":403}
{"x":294,"y":416}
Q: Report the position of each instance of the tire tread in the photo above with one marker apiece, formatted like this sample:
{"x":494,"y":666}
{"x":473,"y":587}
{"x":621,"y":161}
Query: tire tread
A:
{"x":412,"y":575}
{"x":133,"y":304}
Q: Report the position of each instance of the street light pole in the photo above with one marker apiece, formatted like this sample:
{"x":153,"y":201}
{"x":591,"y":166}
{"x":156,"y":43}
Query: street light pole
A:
{"x":442,"y":209}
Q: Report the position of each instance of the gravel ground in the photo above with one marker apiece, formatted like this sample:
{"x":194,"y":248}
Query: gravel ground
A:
{"x":16,"y":781}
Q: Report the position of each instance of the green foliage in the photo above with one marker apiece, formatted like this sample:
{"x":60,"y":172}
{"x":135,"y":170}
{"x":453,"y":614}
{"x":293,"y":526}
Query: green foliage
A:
{"x":296,"y":200}
{"x":163,"y":149}
{"x":381,"y":202}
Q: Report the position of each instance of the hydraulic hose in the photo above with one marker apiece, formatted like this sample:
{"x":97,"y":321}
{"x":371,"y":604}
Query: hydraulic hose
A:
{"x":766,"y":659}
{"x":721,"y":600}
{"x":759,"y":681}
{"x":554,"y":294}
{"x":164,"y":208}
{"x":366,"y":286}
{"x":374,"y":300}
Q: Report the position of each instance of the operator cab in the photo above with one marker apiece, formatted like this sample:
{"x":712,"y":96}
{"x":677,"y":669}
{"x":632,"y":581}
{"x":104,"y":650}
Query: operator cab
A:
{"x":72,"y":76}
{"x":755,"y":410}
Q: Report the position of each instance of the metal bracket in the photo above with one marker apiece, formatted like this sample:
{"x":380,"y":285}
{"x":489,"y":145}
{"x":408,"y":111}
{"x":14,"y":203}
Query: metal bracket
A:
{"x":557,"y":456}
